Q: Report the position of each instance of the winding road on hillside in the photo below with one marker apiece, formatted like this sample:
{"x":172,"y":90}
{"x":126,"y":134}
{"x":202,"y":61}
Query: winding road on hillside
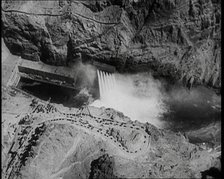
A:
{"x":100,"y":127}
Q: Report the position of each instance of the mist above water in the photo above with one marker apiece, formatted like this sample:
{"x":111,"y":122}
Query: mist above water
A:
{"x":137,"y":96}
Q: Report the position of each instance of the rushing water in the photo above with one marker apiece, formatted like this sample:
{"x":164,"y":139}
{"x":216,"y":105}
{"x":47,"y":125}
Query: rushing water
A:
{"x":145,"y":99}
{"x":106,"y":82}
{"x":139,"y":100}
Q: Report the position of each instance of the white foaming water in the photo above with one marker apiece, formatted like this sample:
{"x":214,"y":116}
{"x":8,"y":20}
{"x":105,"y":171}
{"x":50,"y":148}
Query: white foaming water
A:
{"x":106,"y":83}
{"x":137,"y":96}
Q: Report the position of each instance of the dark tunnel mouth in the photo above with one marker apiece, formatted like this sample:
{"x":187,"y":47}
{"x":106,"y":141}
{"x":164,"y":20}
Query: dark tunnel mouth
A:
{"x":56,"y":94}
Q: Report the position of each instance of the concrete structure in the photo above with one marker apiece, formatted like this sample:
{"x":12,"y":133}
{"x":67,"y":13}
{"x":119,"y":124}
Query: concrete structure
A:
{"x":104,"y":67}
{"x":38,"y":71}
{"x":56,"y":75}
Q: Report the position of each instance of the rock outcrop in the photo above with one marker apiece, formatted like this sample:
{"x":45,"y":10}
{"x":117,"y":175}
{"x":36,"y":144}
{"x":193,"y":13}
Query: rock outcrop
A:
{"x":178,"y":39}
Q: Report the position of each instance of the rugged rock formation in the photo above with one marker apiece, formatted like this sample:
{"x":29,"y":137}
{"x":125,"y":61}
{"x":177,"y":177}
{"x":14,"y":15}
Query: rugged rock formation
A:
{"x":51,"y":141}
{"x":177,"y":39}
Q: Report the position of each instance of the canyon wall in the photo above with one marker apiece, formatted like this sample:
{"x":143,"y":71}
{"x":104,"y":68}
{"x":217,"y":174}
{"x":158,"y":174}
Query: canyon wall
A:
{"x":178,"y":39}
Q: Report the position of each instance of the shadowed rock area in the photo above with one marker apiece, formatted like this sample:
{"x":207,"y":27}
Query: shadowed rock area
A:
{"x":102,"y":168}
{"x":177,"y":39}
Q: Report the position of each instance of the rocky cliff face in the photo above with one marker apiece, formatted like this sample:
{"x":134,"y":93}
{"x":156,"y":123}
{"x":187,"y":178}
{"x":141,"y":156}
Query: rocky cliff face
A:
{"x":179,"y":39}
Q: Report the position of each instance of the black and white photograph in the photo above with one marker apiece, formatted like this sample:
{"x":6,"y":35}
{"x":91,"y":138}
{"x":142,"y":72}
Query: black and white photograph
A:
{"x":111,"y":89}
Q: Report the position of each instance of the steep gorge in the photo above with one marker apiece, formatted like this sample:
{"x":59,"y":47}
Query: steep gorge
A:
{"x":174,"y":39}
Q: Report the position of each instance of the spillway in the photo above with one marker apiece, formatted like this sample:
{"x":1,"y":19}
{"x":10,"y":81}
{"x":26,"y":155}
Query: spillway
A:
{"x":106,"y":82}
